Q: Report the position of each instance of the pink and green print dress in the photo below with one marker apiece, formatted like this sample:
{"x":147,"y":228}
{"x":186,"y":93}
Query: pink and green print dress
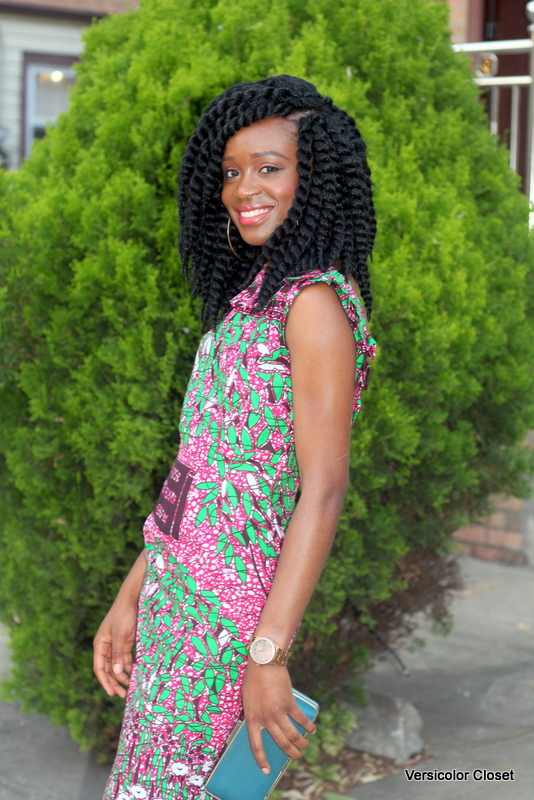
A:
{"x":212,"y":544}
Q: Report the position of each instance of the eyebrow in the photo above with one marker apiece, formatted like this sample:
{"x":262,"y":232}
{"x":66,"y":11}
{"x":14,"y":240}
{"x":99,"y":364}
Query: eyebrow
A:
{"x":261,"y":155}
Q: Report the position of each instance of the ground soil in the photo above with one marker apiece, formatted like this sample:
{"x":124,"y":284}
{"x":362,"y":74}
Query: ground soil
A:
{"x":333,"y":776}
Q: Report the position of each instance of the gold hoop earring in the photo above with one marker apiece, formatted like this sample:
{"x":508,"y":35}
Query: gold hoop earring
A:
{"x":230,"y":242}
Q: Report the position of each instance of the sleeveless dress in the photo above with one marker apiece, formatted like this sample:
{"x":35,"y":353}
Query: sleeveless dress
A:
{"x":212,"y":544}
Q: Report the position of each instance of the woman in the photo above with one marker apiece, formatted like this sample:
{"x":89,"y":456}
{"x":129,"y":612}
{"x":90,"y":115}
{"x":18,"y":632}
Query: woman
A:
{"x":277,"y":223}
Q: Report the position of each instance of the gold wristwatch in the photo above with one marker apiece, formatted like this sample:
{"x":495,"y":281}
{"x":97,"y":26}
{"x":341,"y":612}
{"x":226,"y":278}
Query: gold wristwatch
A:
{"x":263,"y":650}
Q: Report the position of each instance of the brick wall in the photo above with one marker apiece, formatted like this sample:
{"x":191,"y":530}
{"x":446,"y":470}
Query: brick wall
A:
{"x":507,"y":534}
{"x":500,"y":537}
{"x":459,"y":17}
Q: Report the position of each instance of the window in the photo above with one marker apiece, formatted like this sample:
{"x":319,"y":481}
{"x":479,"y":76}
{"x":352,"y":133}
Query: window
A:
{"x":47,"y":87}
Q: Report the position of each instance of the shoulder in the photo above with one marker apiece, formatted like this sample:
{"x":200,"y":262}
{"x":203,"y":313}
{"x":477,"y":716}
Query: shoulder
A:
{"x":316,"y":317}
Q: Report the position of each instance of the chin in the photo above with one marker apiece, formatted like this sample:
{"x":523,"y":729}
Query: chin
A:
{"x":255,"y":238}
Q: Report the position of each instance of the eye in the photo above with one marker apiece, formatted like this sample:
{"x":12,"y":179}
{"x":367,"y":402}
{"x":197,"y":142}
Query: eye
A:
{"x":269,"y":168}
{"x":230,"y":173}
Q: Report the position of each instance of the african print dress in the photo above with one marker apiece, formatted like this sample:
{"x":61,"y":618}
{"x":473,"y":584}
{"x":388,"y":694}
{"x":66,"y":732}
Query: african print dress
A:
{"x":212,"y":544}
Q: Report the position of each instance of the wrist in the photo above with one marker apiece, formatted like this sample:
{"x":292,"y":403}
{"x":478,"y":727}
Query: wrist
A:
{"x":266,"y":652}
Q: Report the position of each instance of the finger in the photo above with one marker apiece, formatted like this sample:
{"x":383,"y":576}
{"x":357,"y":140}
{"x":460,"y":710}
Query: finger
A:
{"x":102,"y":670}
{"x":301,"y":719}
{"x":256,"y":745}
{"x":284,"y":738}
{"x":117,"y":653}
{"x":292,"y":733}
{"x":107,"y":681}
{"x":101,"y":660}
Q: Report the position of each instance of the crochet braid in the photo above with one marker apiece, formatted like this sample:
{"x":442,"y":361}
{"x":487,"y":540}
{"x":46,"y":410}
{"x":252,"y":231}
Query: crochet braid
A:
{"x":331,"y":220}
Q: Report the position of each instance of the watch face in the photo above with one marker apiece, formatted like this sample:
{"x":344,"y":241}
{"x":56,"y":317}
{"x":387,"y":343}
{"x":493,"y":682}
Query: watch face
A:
{"x":262,"y":650}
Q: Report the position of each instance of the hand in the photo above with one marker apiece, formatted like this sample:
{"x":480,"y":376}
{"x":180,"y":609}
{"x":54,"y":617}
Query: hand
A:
{"x":268,"y":703}
{"x":112,"y":647}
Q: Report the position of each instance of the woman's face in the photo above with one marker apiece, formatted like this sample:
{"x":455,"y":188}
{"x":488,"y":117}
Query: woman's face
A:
{"x":260,"y":177}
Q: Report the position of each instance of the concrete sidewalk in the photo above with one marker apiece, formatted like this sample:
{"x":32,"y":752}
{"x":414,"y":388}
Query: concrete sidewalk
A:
{"x":474,"y":689}
{"x":38,"y":761}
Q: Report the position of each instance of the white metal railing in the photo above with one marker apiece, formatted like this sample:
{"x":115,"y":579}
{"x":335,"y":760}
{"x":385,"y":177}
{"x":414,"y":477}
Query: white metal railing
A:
{"x":487,"y":64}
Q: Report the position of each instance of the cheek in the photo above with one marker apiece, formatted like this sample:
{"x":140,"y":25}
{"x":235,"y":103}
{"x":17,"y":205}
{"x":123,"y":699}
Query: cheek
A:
{"x":287,"y":193}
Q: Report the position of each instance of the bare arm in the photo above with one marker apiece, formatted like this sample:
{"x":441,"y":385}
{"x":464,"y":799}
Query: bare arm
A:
{"x":116,"y":635}
{"x":323,"y":364}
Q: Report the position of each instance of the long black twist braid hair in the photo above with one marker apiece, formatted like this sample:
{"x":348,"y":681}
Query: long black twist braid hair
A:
{"x":331,"y":220}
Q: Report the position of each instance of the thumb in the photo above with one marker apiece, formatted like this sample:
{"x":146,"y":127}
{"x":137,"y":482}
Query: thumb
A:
{"x":117,"y":653}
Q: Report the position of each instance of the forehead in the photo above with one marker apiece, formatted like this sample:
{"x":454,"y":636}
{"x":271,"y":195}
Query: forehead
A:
{"x":274,"y":133}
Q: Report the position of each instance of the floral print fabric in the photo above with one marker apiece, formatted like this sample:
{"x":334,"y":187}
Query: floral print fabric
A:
{"x":212,"y":544}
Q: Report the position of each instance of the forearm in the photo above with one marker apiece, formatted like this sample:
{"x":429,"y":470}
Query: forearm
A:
{"x":306,"y":546}
{"x":131,"y":587}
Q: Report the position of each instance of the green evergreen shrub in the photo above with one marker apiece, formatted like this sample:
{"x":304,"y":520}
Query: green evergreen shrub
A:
{"x":98,"y":331}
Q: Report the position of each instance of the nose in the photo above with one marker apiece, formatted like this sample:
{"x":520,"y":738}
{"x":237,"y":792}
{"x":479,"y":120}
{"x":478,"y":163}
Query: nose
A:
{"x":246,"y":187}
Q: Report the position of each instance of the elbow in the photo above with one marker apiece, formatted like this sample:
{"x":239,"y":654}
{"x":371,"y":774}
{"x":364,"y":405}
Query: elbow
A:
{"x":325,"y":492}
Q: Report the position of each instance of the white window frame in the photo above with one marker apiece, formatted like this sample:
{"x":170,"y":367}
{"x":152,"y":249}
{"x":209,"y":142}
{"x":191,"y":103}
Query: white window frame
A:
{"x":32,"y":70}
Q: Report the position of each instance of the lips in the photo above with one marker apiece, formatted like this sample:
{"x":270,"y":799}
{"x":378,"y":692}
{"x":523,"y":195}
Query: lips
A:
{"x":251,"y":215}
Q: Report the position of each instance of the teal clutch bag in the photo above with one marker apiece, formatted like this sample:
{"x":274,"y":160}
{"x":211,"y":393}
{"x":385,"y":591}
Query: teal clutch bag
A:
{"x":237,"y":776}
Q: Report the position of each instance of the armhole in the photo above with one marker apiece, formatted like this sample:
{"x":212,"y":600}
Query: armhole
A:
{"x":336,"y":283}
{"x":355,"y":313}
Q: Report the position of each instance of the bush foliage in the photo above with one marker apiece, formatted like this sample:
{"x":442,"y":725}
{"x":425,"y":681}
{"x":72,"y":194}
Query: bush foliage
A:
{"x":98,"y":331}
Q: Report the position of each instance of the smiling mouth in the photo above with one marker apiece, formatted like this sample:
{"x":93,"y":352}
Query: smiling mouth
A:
{"x":250,"y":216}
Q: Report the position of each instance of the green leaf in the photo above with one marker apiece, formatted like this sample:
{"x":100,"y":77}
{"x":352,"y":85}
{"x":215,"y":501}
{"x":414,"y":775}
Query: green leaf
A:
{"x":233,"y":672}
{"x":241,"y":569}
{"x":267,"y":549}
{"x":243,"y":467}
{"x":209,"y":677}
{"x":199,"y":645}
{"x":191,"y":611}
{"x":255,"y":399}
{"x":201,"y":515}
{"x":231,"y":494}
{"x":198,"y":688}
{"x":269,"y":417}
{"x":229,"y":554}
{"x":247,"y":502}
{"x":212,"y":643}
{"x":231,"y":435}
{"x":252,"y":419}
{"x":213,"y":619}
{"x":212,"y":452}
{"x":239,"y":647}
{"x":250,"y":529}
{"x":230,"y":626}
{"x":263,"y":437}
{"x":212,"y":511}
{"x":278,"y":385}
{"x":211,"y":597}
